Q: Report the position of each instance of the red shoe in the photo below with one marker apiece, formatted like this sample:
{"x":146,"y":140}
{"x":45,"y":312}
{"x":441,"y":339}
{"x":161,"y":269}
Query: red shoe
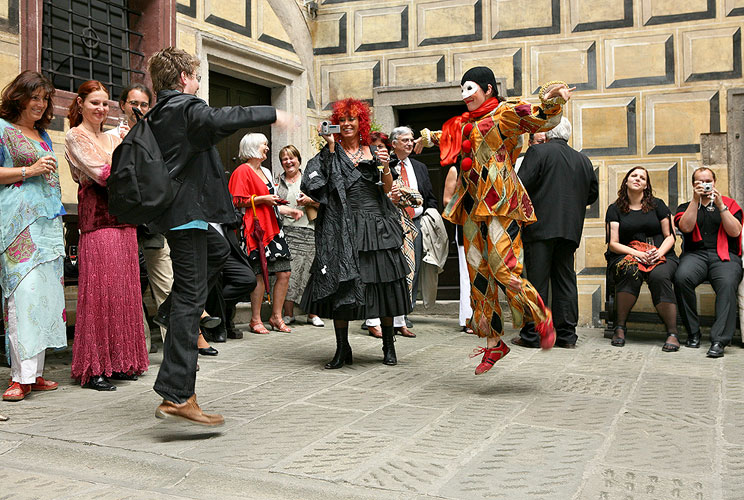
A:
{"x":16,"y":391}
{"x":43,"y":385}
{"x":490,"y":356}
{"x":547,"y":331}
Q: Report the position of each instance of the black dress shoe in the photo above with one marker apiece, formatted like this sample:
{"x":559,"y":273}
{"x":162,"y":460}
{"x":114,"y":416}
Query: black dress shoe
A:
{"x":233,"y":333}
{"x":565,"y":345}
{"x":716,"y":350}
{"x":693,"y":340}
{"x":521,"y":342}
{"x":122,"y":376}
{"x":208,"y":351}
{"x":216,"y":334}
{"x":99,"y":383}
{"x":210,"y":321}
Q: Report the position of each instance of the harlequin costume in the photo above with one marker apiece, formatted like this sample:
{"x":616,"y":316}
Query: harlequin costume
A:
{"x":492,"y":206}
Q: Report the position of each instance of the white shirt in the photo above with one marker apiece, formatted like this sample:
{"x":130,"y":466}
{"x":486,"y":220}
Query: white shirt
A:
{"x":412,"y":182}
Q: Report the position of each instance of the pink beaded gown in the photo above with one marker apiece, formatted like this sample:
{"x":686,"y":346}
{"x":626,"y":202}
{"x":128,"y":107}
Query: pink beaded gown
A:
{"x":109,"y":330}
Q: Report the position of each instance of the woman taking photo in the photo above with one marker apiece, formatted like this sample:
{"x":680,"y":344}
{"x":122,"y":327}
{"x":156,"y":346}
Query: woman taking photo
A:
{"x":641,"y":248}
{"x":109,"y":337}
{"x":299,"y":229}
{"x":251,"y":186}
{"x":359,"y":270}
{"x":31,"y":241}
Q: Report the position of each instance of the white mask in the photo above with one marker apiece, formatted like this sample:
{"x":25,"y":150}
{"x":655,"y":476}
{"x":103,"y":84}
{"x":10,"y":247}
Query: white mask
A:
{"x":469,"y":88}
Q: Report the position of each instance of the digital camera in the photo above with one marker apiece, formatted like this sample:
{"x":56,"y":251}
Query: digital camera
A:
{"x":707,"y":186}
{"x":327,"y":128}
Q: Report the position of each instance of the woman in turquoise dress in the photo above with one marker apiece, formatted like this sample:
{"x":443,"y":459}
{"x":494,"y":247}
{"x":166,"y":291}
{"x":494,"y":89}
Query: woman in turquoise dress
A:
{"x":31,"y":242}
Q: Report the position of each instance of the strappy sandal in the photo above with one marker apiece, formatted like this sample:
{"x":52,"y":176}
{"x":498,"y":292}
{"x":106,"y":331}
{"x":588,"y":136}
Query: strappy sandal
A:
{"x":258,"y":327}
{"x":619,"y":341}
{"x":668,"y":347}
{"x":280,"y":326}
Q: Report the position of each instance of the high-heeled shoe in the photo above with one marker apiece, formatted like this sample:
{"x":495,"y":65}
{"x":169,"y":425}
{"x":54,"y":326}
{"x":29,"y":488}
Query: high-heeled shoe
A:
{"x":258,"y":327}
{"x":343,"y":350}
{"x":279,"y":326}
{"x":490,"y":356}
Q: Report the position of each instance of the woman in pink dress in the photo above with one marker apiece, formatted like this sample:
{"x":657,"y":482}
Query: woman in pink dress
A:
{"x":109,"y":338}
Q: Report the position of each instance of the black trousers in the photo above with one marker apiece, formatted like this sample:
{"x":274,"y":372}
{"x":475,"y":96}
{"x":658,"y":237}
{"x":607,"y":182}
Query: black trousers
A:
{"x":549,"y":265}
{"x":198,"y":257}
{"x":724,"y":276}
{"x":234,"y":284}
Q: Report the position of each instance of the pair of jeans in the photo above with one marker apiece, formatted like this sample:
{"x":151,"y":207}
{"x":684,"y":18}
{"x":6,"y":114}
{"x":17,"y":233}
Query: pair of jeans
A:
{"x":198,"y":257}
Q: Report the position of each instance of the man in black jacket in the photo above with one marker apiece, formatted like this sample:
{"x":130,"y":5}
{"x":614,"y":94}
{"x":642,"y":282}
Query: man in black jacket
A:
{"x":416,"y":175}
{"x":561,"y":182}
{"x":187,"y":130}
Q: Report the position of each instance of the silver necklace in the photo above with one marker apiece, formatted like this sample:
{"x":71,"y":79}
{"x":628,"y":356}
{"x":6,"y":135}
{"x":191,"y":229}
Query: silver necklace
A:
{"x":354,"y":157}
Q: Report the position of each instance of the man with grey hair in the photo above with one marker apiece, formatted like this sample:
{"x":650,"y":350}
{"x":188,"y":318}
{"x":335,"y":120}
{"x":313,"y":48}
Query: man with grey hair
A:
{"x":414,"y":174}
{"x":561,"y":183}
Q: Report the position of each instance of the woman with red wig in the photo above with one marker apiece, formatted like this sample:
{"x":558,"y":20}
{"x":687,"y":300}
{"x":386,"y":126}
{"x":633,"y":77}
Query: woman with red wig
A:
{"x":109,"y":333}
{"x":359,"y":269}
{"x":492,"y":205}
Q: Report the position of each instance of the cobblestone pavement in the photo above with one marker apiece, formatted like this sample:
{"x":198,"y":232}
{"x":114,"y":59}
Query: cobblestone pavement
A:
{"x":597,"y":422}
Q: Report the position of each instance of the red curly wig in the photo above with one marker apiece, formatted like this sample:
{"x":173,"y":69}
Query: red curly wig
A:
{"x":352,"y":107}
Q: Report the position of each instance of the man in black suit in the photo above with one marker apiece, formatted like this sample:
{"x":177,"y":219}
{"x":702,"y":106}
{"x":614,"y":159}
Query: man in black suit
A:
{"x":561,"y":182}
{"x":416,"y":175}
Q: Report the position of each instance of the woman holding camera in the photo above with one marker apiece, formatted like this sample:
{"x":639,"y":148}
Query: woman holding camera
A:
{"x":253,"y":193}
{"x":641,"y":248}
{"x":359,"y":270}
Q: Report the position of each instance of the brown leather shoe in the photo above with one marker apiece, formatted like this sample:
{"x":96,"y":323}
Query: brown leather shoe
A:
{"x":405,"y":332}
{"x":374,"y":331}
{"x":520,"y":342}
{"x":188,"y":411}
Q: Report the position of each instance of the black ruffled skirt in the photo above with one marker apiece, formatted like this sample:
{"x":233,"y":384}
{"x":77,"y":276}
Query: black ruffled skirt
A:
{"x":382,"y":274}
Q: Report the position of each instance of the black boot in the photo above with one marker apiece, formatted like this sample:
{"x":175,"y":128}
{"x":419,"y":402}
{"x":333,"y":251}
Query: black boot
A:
{"x":343,"y":350}
{"x":388,"y":346}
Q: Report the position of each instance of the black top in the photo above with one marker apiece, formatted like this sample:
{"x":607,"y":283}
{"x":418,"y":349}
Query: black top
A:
{"x":187,"y":130}
{"x":708,"y":222}
{"x":638,"y":225}
{"x":561,"y":182}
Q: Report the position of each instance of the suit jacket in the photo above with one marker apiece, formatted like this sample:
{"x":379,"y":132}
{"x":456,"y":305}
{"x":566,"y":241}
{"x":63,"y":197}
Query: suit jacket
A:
{"x":424,"y":183}
{"x":561,"y":183}
{"x":187,"y":130}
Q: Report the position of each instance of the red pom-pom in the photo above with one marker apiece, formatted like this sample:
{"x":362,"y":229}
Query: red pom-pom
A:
{"x":466,"y":146}
{"x":466,"y":163}
{"x":468,"y":128}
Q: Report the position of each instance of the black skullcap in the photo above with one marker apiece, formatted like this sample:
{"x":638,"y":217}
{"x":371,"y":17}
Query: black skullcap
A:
{"x":483,"y":76}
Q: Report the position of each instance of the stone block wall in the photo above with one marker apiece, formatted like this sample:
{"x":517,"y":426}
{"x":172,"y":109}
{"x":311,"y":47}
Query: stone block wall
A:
{"x":651,"y":76}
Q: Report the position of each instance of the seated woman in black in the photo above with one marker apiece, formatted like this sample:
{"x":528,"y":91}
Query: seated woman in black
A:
{"x":641,"y":247}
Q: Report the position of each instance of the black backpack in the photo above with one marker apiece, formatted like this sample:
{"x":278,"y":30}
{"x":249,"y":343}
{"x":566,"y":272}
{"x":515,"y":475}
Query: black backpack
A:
{"x":140,"y":187}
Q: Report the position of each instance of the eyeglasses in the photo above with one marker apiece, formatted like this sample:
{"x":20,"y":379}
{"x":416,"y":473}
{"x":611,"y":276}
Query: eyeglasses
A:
{"x":137,"y":104}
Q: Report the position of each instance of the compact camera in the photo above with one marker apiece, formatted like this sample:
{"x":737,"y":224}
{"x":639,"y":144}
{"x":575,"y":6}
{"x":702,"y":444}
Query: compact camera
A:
{"x":707,"y":186}
{"x":327,"y":128}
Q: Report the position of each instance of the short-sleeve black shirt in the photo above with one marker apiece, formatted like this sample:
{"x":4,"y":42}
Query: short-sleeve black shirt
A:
{"x":638,"y":225}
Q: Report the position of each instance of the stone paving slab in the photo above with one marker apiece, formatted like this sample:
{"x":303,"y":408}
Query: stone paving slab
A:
{"x":595,"y":423}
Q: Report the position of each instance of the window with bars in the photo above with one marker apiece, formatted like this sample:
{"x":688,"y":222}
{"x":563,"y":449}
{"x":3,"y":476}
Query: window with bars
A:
{"x":89,"y":40}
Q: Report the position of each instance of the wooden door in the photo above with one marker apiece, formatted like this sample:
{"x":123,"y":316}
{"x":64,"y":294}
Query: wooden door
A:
{"x":228,"y":91}
{"x":433,"y":118}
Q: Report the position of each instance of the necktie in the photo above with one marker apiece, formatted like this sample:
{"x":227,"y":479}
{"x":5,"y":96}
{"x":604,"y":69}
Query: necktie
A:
{"x":404,"y":178}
